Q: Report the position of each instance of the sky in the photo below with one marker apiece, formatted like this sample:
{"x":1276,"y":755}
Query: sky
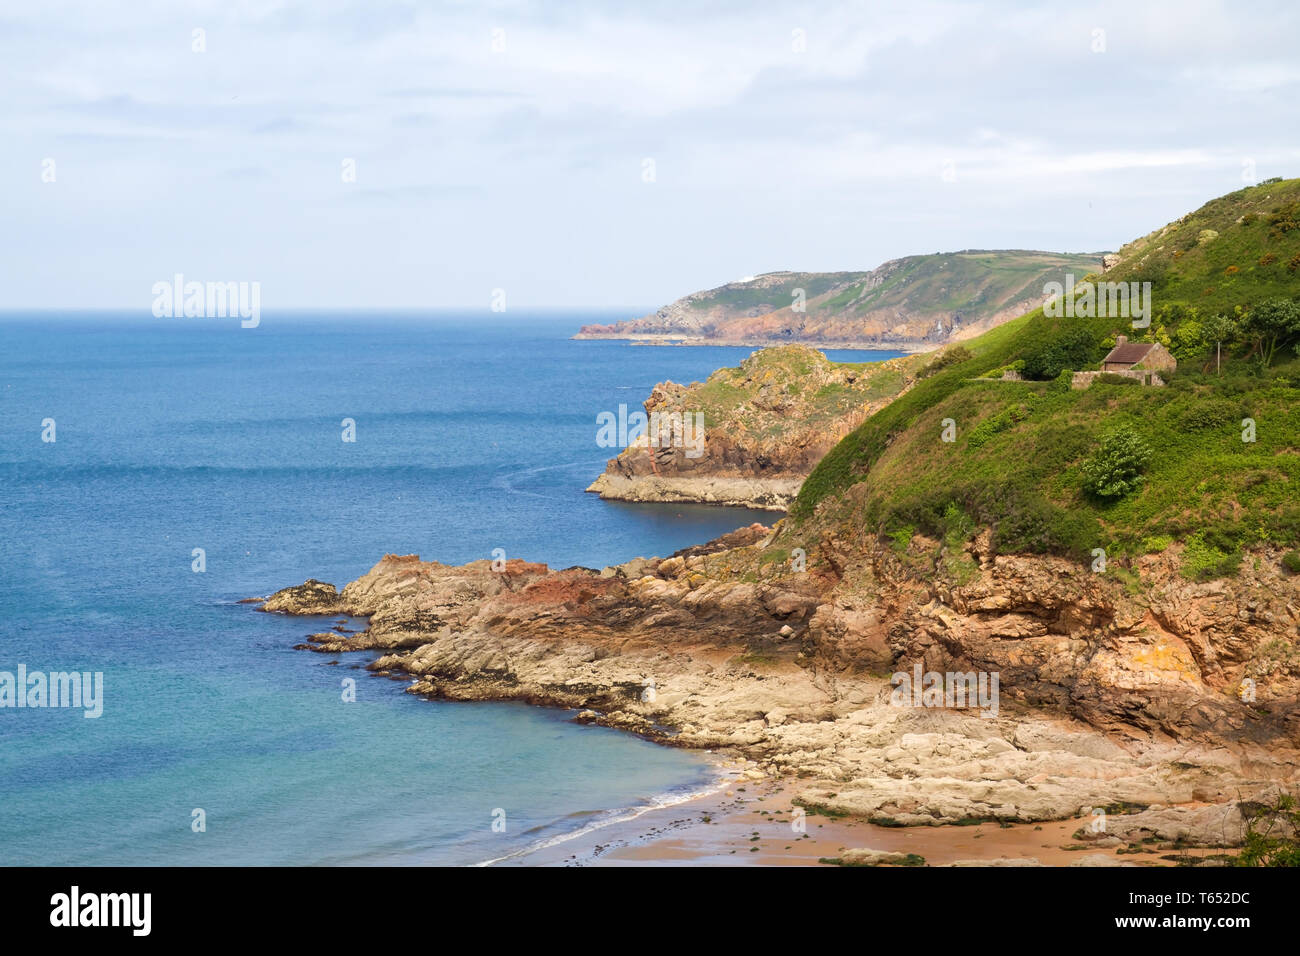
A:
{"x":607,"y":155}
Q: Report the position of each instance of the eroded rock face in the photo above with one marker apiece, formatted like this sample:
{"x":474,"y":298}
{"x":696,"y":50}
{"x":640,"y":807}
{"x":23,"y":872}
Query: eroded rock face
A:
{"x":1107,"y":697}
{"x":1212,"y":662}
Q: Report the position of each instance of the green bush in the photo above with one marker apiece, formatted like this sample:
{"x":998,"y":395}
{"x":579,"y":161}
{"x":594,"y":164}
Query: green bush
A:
{"x":902,"y":538}
{"x":1291,"y":561}
{"x":1062,"y":383}
{"x":957,"y":526}
{"x":1116,"y":468}
{"x":1272,"y":834}
{"x":995,"y":424}
{"x":1210,"y":413}
{"x":1072,"y":349}
{"x":1284,"y":219}
{"x":1270,"y":326}
{"x":1205,"y":558}
{"x":950,"y":356}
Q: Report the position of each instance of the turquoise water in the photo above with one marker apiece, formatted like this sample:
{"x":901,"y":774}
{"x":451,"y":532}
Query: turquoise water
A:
{"x":179,"y":434}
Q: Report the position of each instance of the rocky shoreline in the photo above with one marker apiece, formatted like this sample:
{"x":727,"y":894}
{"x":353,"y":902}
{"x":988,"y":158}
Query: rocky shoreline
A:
{"x":668,"y":340}
{"x":1107,"y":701}
{"x":770,"y":494}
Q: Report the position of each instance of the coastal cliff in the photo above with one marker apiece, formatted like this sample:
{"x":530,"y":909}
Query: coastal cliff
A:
{"x":1106,"y":698}
{"x":766,"y":424}
{"x":913,"y":304}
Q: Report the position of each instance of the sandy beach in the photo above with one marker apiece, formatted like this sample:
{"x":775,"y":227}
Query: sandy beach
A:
{"x":754,"y":823}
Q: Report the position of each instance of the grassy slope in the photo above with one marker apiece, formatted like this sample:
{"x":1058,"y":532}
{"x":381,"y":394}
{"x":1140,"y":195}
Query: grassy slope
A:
{"x":976,"y":284}
{"x":972,"y":282}
{"x":1024,"y":477}
{"x":728,"y":398}
{"x":741,"y":298}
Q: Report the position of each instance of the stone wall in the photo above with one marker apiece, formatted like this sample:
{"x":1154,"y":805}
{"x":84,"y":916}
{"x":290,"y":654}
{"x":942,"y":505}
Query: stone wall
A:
{"x":1145,"y":376}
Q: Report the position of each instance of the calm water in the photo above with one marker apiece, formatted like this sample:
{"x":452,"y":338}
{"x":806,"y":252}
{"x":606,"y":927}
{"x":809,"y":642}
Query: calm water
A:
{"x":193,"y":433}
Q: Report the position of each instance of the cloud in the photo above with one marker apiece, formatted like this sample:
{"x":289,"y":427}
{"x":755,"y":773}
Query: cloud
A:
{"x":812,"y":135}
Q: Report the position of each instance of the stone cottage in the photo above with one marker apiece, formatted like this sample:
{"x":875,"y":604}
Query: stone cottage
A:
{"x":1126,"y":356}
{"x":1142,"y":361}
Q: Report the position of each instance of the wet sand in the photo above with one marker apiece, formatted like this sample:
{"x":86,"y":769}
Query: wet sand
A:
{"x":754,"y":823}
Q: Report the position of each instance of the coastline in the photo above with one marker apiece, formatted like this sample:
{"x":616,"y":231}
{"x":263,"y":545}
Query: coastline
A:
{"x":617,"y":819}
{"x":761,"y":494}
{"x":754,"y":822}
{"x":910,"y":346}
{"x":688,"y":653}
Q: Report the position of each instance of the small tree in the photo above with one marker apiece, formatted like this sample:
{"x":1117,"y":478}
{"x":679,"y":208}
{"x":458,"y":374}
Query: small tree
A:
{"x":1117,"y":466}
{"x":1072,"y":349}
{"x":1271,"y":325}
{"x":1271,"y":835}
{"x":1218,"y":329}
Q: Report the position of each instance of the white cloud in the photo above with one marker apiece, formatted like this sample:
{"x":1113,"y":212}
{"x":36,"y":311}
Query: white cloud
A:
{"x":473,"y":165}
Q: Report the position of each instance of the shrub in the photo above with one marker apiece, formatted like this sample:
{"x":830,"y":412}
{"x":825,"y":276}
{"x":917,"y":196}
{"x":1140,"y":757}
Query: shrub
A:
{"x":1272,"y":834}
{"x":957,"y":526}
{"x":1026,"y":523}
{"x":1267,"y":259}
{"x":1062,"y":383}
{"x":1116,"y":468}
{"x":1294,"y":263}
{"x":1271,"y":325}
{"x":1156,"y":543}
{"x":1073,"y":349}
{"x":1209,"y":413}
{"x":1204,"y":560}
{"x":902,"y":538}
{"x":1284,"y":219}
{"x":1291,"y":561}
{"x":995,"y":424}
{"x":949,"y":356}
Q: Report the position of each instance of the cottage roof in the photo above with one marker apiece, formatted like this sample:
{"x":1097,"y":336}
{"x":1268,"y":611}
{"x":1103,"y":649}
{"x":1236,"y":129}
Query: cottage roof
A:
{"x":1130,"y":353}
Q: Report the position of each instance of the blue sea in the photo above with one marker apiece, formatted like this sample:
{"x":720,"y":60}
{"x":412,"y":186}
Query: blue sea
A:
{"x":472,"y":434}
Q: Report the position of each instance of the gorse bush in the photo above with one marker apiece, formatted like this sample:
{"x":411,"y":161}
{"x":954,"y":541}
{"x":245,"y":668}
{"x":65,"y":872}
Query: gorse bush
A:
{"x":1116,"y":468}
{"x":1284,"y":219}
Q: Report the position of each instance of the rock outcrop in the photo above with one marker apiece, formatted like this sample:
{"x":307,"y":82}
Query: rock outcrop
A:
{"x":765,"y":426}
{"x":1108,"y":699}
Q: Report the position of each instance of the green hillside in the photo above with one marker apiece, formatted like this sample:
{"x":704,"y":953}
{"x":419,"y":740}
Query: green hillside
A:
{"x":775,"y":291}
{"x":975,"y":281}
{"x":1118,"y":466}
{"x":916,"y":303}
